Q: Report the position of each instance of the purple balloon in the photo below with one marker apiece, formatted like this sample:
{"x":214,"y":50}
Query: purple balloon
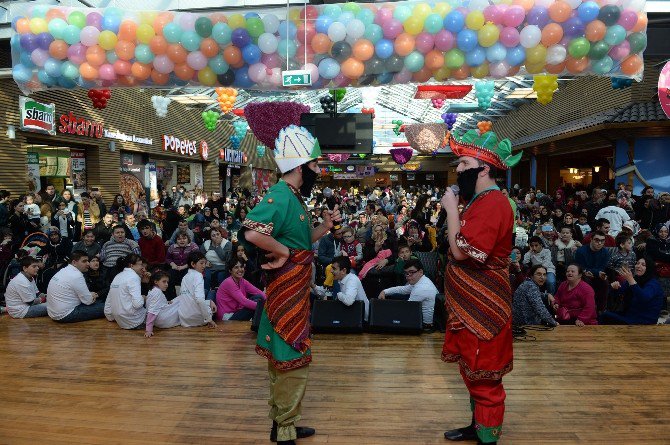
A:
{"x":620,"y":51}
{"x":94,"y":19}
{"x":509,"y":37}
{"x":28,"y":42}
{"x":383,"y":16}
{"x":514,"y":16}
{"x":403,"y":76}
{"x":76,"y":53}
{"x":392,"y":28}
{"x":538,"y":16}
{"x":424,"y":42}
{"x":494,"y":14}
{"x":574,"y":27}
{"x":341,"y":80}
{"x":44,"y":40}
{"x":271,"y":60}
{"x":628,"y":19}
{"x":444,"y":40}
{"x":241,"y":37}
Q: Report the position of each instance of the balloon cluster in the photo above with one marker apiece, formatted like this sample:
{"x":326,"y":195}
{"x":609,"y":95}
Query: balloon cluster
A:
{"x":368,"y":111}
{"x":160,"y":104}
{"x":100,"y":98}
{"x":260,"y":150}
{"x":339,"y":44}
{"x":437,"y":103}
{"x":210,"y":118}
{"x":396,"y":128}
{"x":449,"y":119}
{"x":484,"y":91}
{"x":338,"y":94}
{"x":241,"y":129}
{"x":226,"y":98}
{"x":401,"y":155}
{"x":619,"y":83}
{"x":484,"y":127}
{"x":545,"y":85}
{"x":328,"y":104}
{"x":235,"y":141}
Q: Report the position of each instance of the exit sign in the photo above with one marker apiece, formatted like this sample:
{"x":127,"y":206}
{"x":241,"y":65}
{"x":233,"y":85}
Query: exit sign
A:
{"x":296,"y":78}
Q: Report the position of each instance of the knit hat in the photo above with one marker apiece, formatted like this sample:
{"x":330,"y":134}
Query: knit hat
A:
{"x":294,"y":147}
{"x":484,"y":147}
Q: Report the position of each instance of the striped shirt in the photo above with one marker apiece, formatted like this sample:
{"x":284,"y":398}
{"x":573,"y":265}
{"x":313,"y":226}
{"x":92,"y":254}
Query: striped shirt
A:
{"x":88,"y":224}
{"x":112,"y":251}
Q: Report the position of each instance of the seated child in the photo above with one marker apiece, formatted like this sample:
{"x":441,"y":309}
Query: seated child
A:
{"x":160,"y":312}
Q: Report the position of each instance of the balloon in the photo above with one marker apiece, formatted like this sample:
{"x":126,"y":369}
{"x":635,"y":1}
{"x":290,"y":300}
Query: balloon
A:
{"x":384,"y":48}
{"x":588,"y":11}
{"x":354,"y":69}
{"x":287,"y":48}
{"x":355,"y":29}
{"x":69,"y":70}
{"x":514,"y":16}
{"x":573,"y":27}
{"x":95,"y":55}
{"x":595,"y":31}
{"x":125,"y":50}
{"x":475,"y":57}
{"x":39,"y":57}
{"x":394,"y":64}
{"x":58,"y":49}
{"x":190,"y":40}
{"x":493,"y":14}
{"x":392,"y":28}
{"x":628,"y":19}
{"x":77,"y":18}
{"x":602,"y":66}
{"x":127,"y":30}
{"x":172,"y":33}
{"x":620,"y":51}
{"x":454,"y":21}
{"x":71,"y":35}
{"x":363,"y":50}
{"x":579,"y":47}
{"x":632,"y":65}
{"x":559,"y":11}
{"x":321,"y":44}
{"x":538,"y":16}
{"x":609,"y":15}
{"x":21,"y":73}
{"x":57,"y":26}
{"x":496,"y":53}
{"x":433,"y":23}
{"x":163,"y":64}
{"x":552,"y":34}
{"x":106,"y":72}
{"x":577,"y":66}
{"x":329,"y":68}
{"x":454,"y":59}
{"x":88,"y":72}
{"x":642,"y":22}
{"x":475,"y":20}
{"x":178,"y":54}
{"x":337,"y":32}
{"x":402,"y":12}
{"x":488,"y":35}
{"x":196,"y":60}
{"x":340,"y":51}
{"x":111,"y":23}
{"x":637,"y":41}
{"x":44,"y":40}
{"x":598,"y":50}
{"x":444,"y":40}
{"x":530,"y":36}
{"x":434,"y":60}
{"x":373,"y":33}
{"x":240,"y":37}
{"x":107,"y":40}
{"x":536,"y":55}
{"x":466,"y":40}
{"x":287,"y":30}
{"x":635,"y":5}
{"x":615,"y":34}
{"x":89,"y":35}
{"x":556,"y":54}
{"x":123,"y":68}
{"x":251,"y":54}
{"x":516,"y":56}
{"x":203,"y":26}
{"x":509,"y":37}
{"x":227,"y":78}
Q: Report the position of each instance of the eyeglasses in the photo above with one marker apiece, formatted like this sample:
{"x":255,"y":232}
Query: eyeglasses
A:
{"x":409,"y":273}
{"x":599,"y":240}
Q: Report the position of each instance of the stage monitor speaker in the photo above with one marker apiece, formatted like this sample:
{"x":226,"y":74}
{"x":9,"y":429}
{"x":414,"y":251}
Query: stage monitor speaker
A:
{"x":256,"y":321}
{"x":440,"y":314}
{"x":335,"y":317}
{"x":396,"y":316}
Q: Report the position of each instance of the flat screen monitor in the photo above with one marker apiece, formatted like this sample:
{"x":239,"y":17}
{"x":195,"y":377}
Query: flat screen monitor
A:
{"x":340,"y":132}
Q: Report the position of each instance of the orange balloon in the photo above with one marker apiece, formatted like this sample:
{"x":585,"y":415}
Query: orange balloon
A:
{"x":560,"y":11}
{"x":209,"y":48}
{"x":577,"y":66}
{"x":642,"y":22}
{"x":95,"y":55}
{"x":183,"y":71}
{"x":58,"y":49}
{"x":352,"y":68}
{"x":54,"y":13}
{"x":514,"y":71}
{"x":595,"y":31}
{"x":525,"y":4}
{"x":125,"y":49}
{"x":88,"y":71}
{"x":423,"y":75}
{"x":321,"y":43}
{"x":218,"y":18}
{"x":159,"y":78}
{"x":122,"y":67}
{"x":141,"y":71}
{"x":462,"y":73}
{"x":556,"y":69}
{"x":127,"y":81}
{"x":434,"y":60}
{"x":127,"y":30}
{"x":363,"y":50}
{"x":161,"y":20}
{"x":232,"y":55}
{"x":632,"y":65}
{"x":158,"y":45}
{"x":552,"y":34}
{"x":176,"y":53}
{"x":23,"y":26}
{"x":404,"y":44}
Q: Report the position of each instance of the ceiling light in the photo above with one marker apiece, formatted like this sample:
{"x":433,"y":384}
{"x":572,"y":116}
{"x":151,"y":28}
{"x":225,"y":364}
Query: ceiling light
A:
{"x":596,"y":168}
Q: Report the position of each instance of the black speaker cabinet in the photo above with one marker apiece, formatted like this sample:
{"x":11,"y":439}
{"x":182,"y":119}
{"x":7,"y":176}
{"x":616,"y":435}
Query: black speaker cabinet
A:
{"x":335,"y":317}
{"x":395,"y":316}
{"x":256,"y":321}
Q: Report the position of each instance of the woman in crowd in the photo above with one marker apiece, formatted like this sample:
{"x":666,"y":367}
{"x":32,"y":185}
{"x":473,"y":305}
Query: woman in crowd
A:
{"x":658,"y":248}
{"x":88,"y":214}
{"x":141,"y":204}
{"x":19,"y":224}
{"x":177,"y":258}
{"x":569,"y":221}
{"x":378,"y":242}
{"x":528,"y":306}
{"x":69,"y":201}
{"x":642,"y":295}
{"x":236,"y":298}
{"x":416,"y":238}
{"x":165,"y":201}
{"x":125,"y":303}
{"x":402,"y":217}
{"x":574,"y":302}
{"x":194,"y":308}
{"x":119,"y":206}
{"x":94,"y":278}
{"x":421,"y":212}
{"x":88,"y":244}
{"x":217,"y":251}
{"x":252,"y":272}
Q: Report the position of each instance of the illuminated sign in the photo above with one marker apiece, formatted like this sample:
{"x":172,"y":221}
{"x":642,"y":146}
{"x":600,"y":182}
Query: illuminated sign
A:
{"x":71,"y":124}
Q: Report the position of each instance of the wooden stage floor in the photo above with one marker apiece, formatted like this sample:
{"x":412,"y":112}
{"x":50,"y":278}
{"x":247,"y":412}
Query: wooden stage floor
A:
{"x":93,"y":383}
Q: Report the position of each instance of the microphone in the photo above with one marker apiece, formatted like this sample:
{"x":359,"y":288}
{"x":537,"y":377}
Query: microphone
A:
{"x":331,"y":203}
{"x":454,"y":188}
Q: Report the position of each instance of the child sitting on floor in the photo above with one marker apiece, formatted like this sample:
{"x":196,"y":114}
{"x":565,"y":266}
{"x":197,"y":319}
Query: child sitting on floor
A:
{"x":160,"y":312}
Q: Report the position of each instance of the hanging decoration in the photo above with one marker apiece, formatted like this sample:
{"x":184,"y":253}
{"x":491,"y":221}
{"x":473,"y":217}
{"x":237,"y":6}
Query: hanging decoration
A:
{"x":260,"y":150}
{"x":449,"y":119}
{"x":398,"y":124}
{"x":484,"y":91}
{"x":338,"y":157}
{"x":328,"y":104}
{"x":235,"y":141}
{"x":619,"y":83}
{"x":425,"y":138}
{"x":160,"y":104}
{"x":210,"y":118}
{"x":239,"y":112}
{"x":99,"y":98}
{"x":401,"y":155}
{"x":240,"y":128}
{"x":545,"y":85}
{"x":664,"y":89}
{"x":226,"y":98}
{"x":484,"y":127}
{"x":411,"y":167}
{"x":437,"y":103}
{"x":266,"y":119}
{"x":442,"y":91}
{"x":342,"y":44}
{"x":368,"y":111}
{"x":338,"y":94}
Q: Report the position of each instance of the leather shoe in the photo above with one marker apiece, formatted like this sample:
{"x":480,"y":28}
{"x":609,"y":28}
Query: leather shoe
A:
{"x":461,"y":434}
{"x":301,"y":432}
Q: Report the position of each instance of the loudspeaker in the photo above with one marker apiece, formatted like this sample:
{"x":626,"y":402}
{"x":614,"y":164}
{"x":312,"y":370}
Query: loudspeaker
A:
{"x":256,"y":321}
{"x":440,"y":313}
{"x":395,"y":316}
{"x":335,"y":317}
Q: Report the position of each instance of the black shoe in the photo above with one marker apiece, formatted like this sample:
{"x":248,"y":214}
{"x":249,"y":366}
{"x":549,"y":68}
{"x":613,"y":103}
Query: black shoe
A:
{"x":301,"y":432}
{"x":461,"y":434}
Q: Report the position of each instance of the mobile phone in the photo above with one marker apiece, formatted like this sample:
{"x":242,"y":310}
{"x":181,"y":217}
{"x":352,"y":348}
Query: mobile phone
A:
{"x":513,"y":256}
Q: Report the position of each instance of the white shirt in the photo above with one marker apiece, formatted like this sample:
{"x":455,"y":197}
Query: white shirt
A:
{"x":351,"y":290}
{"x":616,"y":216}
{"x":67,"y":290}
{"x":19,"y":295}
{"x":424,"y":291}
{"x":125,"y":304}
{"x":32,"y":211}
{"x":167,"y":314}
{"x":194,"y":310}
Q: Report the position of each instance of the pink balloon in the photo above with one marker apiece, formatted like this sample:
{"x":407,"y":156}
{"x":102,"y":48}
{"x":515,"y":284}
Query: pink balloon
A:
{"x":620,"y":51}
{"x":425,"y":42}
{"x":163,"y":64}
{"x":187,"y":21}
{"x":509,"y":37}
{"x":341,"y":80}
{"x":106,"y":72}
{"x":514,"y":16}
{"x":271,"y":60}
{"x":313,"y":69}
{"x":403,"y":76}
{"x":444,"y":40}
{"x":493,"y":14}
{"x":499,"y":69}
{"x":257,"y":72}
{"x":76,"y":53}
{"x":383,"y":15}
{"x":122,"y":67}
{"x":628,"y":19}
{"x":275,"y":78}
{"x":392,"y":28}
{"x":94,"y":19}
{"x":196,"y":60}
{"x":39,"y":56}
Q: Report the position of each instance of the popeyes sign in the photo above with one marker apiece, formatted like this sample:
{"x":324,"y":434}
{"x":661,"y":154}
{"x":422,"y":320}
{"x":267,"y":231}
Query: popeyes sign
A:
{"x":185,"y":146}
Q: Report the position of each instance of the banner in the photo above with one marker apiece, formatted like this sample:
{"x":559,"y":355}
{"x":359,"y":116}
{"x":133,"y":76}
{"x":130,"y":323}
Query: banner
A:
{"x":36,"y":116}
{"x":78,"y":171}
{"x":33,"y":167}
{"x":152,"y":181}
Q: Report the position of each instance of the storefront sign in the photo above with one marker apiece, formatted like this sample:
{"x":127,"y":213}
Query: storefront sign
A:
{"x":204,"y":150}
{"x":33,"y":166}
{"x":181,"y":146}
{"x":345,"y":176}
{"x":127,"y":137}
{"x":234,"y":156}
{"x":69,"y":123}
{"x":36,"y":116}
{"x":393,"y":177}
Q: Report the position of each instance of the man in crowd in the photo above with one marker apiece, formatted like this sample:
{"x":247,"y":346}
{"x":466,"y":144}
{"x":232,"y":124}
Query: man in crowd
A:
{"x":4,"y":207}
{"x":22,"y":298}
{"x":118,"y":246}
{"x":103,"y":230}
{"x":49,"y":196}
{"x":593,"y":259}
{"x":351,"y":288}
{"x":602,"y":225}
{"x":151,"y":245}
{"x":615,"y":215}
{"x":132,"y":231}
{"x":182,"y":228}
{"x":329,"y":246}
{"x":418,"y":288}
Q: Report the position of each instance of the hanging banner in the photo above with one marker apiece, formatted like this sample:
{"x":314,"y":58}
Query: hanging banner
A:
{"x":198,"y":179}
{"x":33,"y":167}
{"x":152,"y":182}
{"x":78,"y":171}
{"x":341,"y":44}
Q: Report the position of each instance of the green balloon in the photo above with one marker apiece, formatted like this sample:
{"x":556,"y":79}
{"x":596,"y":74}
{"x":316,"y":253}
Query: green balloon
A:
{"x":638,"y":42}
{"x":454,"y":59}
{"x":599,"y":50}
{"x":77,"y":18}
{"x":203,"y":26}
{"x":579,"y":47}
{"x":351,"y":7}
{"x":255,"y":27}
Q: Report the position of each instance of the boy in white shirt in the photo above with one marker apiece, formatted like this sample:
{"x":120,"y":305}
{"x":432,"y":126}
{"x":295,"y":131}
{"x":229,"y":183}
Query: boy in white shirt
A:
{"x":351,"y":288}
{"x":22,"y":298}
{"x":419,"y":287}
{"x":68,"y":297}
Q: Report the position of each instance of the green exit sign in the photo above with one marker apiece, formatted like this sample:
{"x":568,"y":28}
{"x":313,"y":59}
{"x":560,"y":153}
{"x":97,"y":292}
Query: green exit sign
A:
{"x":296,"y":78}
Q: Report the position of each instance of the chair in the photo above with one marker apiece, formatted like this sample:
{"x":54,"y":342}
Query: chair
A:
{"x":429,"y":261}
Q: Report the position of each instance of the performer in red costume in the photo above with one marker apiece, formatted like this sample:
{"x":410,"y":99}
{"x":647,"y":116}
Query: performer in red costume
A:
{"x":477,"y":286}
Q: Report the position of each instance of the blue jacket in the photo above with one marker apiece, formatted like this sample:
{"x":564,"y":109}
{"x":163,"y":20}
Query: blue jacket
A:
{"x":594,"y":262}
{"x":646,"y":302}
{"x":326,"y":252}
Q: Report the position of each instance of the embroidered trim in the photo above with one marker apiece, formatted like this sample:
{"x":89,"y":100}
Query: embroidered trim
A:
{"x":265,"y":229}
{"x":470,"y":250}
{"x":284,"y":366}
{"x":477,"y":375}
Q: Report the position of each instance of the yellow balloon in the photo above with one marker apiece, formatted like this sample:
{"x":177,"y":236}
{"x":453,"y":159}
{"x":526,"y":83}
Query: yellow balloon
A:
{"x":535,"y":68}
{"x":145,"y":33}
{"x":442,"y":9}
{"x":422,"y":10}
{"x":107,"y":40}
{"x":475,"y":20}
{"x":38,"y":25}
{"x":442,"y":74}
{"x":207,"y":77}
{"x":480,"y":71}
{"x":413,"y":25}
{"x":536,"y":55}
{"x":236,"y":21}
{"x":488,"y":35}
{"x":293,"y":14}
{"x":148,"y":17}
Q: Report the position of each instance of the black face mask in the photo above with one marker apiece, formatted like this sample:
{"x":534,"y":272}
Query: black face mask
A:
{"x":467,"y":182}
{"x":308,"y":180}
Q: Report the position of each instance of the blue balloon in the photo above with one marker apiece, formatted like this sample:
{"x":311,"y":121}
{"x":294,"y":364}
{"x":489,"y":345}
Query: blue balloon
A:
{"x":66,"y":83}
{"x":190,"y":40}
{"x":15,"y":42}
{"x":373,"y":33}
{"x":588,"y":11}
{"x":286,"y":48}
{"x":251,"y":54}
{"x":384,"y":49}
{"x":240,"y":37}
{"x":475,"y":57}
{"x":329,"y":68}
{"x":366,"y":16}
{"x":414,"y":61}
{"x":346,"y":17}
{"x":52,"y":67}
{"x":218,"y":64}
{"x":574,"y":27}
{"x":221,"y":32}
{"x":111,"y":22}
{"x":22,"y":73}
{"x":516,"y":56}
{"x":332,"y":11}
{"x":454,"y":21}
{"x":496,"y":53}
{"x":322,"y":24}
{"x":111,"y":56}
{"x":287,"y":30}
{"x":242,"y":78}
{"x":26,"y":60}
{"x":172,"y":32}
{"x":466,"y":40}
{"x":250,"y":15}
{"x":46,"y":79}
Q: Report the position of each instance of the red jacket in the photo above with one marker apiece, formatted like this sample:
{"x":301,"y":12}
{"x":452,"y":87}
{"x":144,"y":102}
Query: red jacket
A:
{"x":153,"y":250}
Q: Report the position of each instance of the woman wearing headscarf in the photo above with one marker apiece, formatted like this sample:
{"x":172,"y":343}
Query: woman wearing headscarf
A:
{"x":658,"y":248}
